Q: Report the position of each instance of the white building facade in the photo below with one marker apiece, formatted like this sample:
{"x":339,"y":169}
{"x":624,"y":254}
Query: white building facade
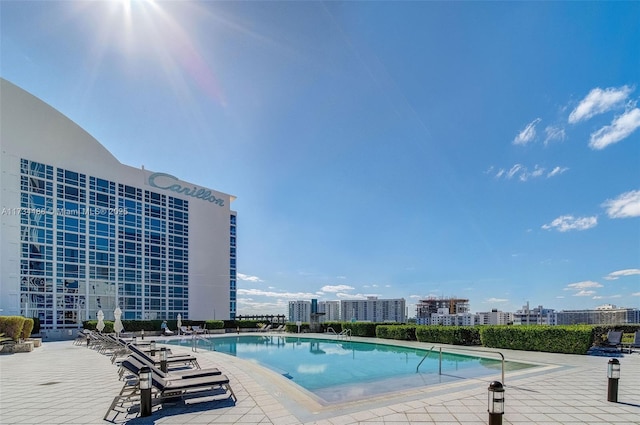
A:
{"x":300,"y":311}
{"x":534,"y":316}
{"x":331,"y":310}
{"x":373,"y":310}
{"x":82,"y":232}
{"x":495,"y":317}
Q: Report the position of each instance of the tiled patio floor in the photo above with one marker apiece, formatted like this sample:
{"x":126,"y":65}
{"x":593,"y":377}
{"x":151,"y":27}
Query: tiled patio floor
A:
{"x":61,"y":383}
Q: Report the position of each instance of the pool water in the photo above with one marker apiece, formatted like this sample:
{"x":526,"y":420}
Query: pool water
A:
{"x":339,"y":370}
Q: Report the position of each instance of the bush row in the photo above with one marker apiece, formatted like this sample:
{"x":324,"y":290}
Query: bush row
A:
{"x":152,"y":325}
{"x":16,"y":327}
{"x":575,"y":339}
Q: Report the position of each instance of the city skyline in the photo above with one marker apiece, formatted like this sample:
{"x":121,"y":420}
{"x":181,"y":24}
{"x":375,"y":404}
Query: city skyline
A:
{"x":486,"y":151}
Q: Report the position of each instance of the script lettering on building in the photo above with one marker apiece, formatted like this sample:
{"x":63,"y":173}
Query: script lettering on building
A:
{"x":166,"y":181}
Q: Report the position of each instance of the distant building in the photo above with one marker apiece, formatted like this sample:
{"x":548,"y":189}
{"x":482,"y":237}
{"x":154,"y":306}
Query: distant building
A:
{"x":604,"y":315}
{"x":443,"y":318}
{"x":425,"y":308}
{"x":373,"y":310}
{"x":300,"y":311}
{"x":331,"y":310}
{"x":495,"y":317}
{"x":536,"y":316}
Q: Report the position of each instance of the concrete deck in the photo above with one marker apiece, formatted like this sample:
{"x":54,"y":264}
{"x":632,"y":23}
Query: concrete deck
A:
{"x":61,"y":383}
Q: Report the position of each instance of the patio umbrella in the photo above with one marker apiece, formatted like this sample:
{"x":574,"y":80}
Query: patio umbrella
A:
{"x":117,"y":326}
{"x":100,"y":325}
{"x":179,"y":322}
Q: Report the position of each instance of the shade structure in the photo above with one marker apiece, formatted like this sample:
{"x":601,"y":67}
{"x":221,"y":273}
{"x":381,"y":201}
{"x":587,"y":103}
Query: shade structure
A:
{"x":100,"y":325}
{"x":117,"y":326}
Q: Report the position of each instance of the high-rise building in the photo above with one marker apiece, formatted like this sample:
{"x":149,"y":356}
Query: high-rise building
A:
{"x":603,"y":315}
{"x":373,"y":310}
{"x":331,"y":310}
{"x":300,"y":311}
{"x":425,"y":308}
{"x":81,"y":232}
{"x":495,"y":317}
{"x":535,"y":316}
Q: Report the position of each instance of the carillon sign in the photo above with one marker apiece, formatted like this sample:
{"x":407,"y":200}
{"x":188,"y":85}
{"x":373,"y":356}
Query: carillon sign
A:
{"x":166,"y":181}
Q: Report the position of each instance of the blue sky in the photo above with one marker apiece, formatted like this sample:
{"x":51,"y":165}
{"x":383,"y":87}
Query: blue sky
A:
{"x":482,"y":150}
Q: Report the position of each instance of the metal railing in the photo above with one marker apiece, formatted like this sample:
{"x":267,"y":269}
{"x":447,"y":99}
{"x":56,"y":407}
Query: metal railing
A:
{"x":194,"y":342}
{"x":463,"y":349}
{"x":345,"y":333}
{"x":425,"y":357}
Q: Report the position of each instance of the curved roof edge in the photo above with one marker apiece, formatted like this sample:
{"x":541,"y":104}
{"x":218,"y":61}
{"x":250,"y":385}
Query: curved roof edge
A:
{"x":31,"y":123}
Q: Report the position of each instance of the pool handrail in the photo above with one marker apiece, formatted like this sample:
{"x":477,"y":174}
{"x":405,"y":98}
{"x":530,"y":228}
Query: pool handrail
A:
{"x":345,"y":333}
{"x":425,"y":357}
{"x":461,"y":349}
{"x":194,"y":342}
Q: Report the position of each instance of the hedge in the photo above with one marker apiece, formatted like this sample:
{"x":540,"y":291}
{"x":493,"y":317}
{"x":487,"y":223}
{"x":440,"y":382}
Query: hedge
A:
{"x":27,"y":328}
{"x":456,"y":335}
{"x":12,"y":326}
{"x":398,"y":332}
{"x":573,"y":339}
{"x":152,"y":325}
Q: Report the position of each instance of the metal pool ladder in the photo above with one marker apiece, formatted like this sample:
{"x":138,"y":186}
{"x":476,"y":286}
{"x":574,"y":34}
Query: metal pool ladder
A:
{"x":194,"y":343}
{"x":460,"y":349}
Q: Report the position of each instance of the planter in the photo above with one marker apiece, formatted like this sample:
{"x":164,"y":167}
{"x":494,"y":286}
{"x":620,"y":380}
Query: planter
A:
{"x":23,"y":347}
{"x":37,"y":342}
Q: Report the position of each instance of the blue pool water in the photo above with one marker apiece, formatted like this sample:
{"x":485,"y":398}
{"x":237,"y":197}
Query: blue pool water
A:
{"x":337,"y":370}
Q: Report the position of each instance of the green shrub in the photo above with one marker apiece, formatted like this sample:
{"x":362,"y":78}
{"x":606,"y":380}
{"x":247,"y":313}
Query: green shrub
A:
{"x":91,"y":325}
{"x":291,"y":327}
{"x":11,"y":326}
{"x":573,"y":339}
{"x":366,"y":329}
{"x":398,"y":332}
{"x":36,"y":326}
{"x":456,"y":335}
{"x":27,"y":328}
{"x":213,"y":324}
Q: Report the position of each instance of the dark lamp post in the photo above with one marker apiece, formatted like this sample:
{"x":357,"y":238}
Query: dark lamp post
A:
{"x":145,"y":382}
{"x":495,"y":403}
{"x":163,"y":359}
{"x":613,"y":373}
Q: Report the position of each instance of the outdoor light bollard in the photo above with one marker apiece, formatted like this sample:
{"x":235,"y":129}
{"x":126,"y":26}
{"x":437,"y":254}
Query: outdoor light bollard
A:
{"x":163,"y":359}
{"x":142,"y":334}
{"x":134,"y":340}
{"x":496,"y":403}
{"x":144,"y":379}
{"x":152,"y":347}
{"x":613,"y":373}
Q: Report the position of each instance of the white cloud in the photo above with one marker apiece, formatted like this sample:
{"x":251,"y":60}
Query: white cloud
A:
{"x":287,"y":295}
{"x":496,"y":300}
{"x":568,"y":222}
{"x":527,"y":134}
{"x":625,"y":205}
{"x":617,"y":274}
{"x":556,"y":171}
{"x":249,"y":278}
{"x":416,"y":296}
{"x":636,"y":294}
{"x":582,"y":285}
{"x":523,"y":173}
{"x":584,"y":293}
{"x":336,"y":288}
{"x":553,"y":134}
{"x":355,"y":296}
{"x":599,"y":101}
{"x":621,"y":127}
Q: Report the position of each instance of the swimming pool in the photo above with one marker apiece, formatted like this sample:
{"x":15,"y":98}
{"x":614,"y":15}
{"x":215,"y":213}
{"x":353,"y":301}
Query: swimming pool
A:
{"x":341,"y":370}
